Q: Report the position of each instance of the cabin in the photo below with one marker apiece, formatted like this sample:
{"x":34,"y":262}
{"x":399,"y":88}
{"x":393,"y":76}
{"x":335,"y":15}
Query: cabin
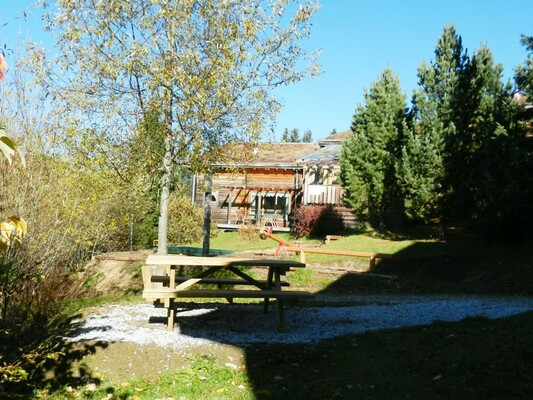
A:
{"x":265,"y":190}
{"x":321,"y":172}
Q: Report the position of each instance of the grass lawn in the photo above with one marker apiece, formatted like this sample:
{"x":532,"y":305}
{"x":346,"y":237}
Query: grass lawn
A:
{"x":461,"y":264}
{"x":475,"y":358}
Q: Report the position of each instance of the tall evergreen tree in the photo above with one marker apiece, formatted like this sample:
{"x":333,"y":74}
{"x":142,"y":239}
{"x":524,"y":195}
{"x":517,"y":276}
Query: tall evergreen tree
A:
{"x":461,"y":158}
{"x":504,"y":195}
{"x":285,"y":136}
{"x":524,"y":73}
{"x":434,"y":132}
{"x":307,"y":136}
{"x":294,"y":136}
{"x":369,"y":156}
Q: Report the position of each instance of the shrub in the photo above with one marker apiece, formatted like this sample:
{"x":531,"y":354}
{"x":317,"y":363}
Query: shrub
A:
{"x":312,"y":220}
{"x":185,"y":221}
{"x":248,"y":232}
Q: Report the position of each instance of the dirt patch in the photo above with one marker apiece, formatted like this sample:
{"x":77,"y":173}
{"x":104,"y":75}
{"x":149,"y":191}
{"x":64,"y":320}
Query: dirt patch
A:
{"x":121,"y":361}
{"x":113,"y":274}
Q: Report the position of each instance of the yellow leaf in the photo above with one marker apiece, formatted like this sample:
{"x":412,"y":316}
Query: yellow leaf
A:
{"x":20,"y":225}
{"x":7,"y":147}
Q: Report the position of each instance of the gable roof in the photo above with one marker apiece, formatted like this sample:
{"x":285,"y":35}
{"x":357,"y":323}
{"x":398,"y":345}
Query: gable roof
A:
{"x":280,"y":155}
{"x":336,"y":138}
{"x":283,"y":153}
{"x":328,"y":151}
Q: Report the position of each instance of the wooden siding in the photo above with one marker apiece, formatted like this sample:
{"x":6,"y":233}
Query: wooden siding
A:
{"x":271,"y":179}
{"x":234,"y":193}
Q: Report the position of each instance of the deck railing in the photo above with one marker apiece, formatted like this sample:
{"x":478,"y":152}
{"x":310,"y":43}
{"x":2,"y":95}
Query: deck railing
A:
{"x":323,"y":194}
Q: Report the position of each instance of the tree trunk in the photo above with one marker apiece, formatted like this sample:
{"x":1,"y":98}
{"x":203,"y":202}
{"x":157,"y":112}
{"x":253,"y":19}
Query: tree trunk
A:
{"x":162,"y":232}
{"x":206,"y":233}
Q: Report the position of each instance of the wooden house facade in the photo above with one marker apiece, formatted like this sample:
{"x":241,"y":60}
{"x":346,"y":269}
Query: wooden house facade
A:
{"x":265,"y":190}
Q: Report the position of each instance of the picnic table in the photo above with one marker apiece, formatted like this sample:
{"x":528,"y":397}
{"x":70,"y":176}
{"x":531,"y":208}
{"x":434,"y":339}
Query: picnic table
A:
{"x":169,"y":285}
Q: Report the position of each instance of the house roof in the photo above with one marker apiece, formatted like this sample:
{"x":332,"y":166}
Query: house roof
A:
{"x":286,"y":155}
{"x":282,"y":153}
{"x":520,"y":98}
{"x":328,"y":150}
{"x":336,"y":138}
{"x":325,"y":155}
{"x":279,"y":155}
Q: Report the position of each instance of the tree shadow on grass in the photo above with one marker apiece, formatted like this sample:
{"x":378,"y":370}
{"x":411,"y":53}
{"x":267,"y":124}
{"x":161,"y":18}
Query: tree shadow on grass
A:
{"x":50,"y":360}
{"x":334,"y":367}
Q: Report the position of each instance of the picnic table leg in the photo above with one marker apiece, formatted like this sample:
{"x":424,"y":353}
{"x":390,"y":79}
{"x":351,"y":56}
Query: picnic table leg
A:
{"x":268,"y":286}
{"x":170,"y":315}
{"x":169,"y":303}
{"x":281,"y":314}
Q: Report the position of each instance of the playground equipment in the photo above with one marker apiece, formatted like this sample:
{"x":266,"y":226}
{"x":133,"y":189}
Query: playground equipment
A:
{"x":296,"y":248}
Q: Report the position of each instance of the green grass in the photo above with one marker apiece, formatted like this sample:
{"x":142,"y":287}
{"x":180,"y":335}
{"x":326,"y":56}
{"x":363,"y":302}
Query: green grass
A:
{"x":239,"y":243}
{"x":471,"y":359}
{"x":204,"y":379}
{"x":72,"y":307}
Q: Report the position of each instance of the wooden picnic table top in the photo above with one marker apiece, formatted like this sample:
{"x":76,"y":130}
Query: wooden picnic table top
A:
{"x":269,"y":288}
{"x":178,"y":259}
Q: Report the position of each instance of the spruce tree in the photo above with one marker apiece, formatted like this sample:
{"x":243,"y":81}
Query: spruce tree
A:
{"x":462,"y":157}
{"x":294,"y":136}
{"x":524,"y":73}
{"x":369,"y":156}
{"x":434,"y":133}
{"x":504,"y":191}
{"x":307,"y":136}
{"x":285,"y":136}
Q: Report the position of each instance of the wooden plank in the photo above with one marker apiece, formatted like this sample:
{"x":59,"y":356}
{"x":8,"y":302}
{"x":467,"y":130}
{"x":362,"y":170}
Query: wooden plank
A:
{"x":338,"y":252}
{"x":189,"y":282}
{"x":176,"y":259}
{"x":259,"y":294}
{"x":210,"y":281}
{"x":329,"y":238}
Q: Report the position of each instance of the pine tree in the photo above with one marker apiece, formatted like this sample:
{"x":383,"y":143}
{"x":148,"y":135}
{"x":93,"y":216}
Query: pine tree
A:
{"x":433,"y":132}
{"x":500,"y":161}
{"x":285,"y":136}
{"x":369,"y":156}
{"x":294,"y":137}
{"x":307,"y":137}
{"x":461,"y":158}
{"x":524,"y":73}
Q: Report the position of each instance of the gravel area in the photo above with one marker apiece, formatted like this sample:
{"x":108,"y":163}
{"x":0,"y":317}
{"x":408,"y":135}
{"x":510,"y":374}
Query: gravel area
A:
{"x":324,"y":317}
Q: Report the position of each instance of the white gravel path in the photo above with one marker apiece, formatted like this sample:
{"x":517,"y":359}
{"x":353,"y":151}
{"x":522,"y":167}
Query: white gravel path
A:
{"x":244,"y":324}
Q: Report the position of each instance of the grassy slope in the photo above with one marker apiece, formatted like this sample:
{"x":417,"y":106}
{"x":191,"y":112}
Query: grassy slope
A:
{"x":471,"y":359}
{"x":460,"y":264}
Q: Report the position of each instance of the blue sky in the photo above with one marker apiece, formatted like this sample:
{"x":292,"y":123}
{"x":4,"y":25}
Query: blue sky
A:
{"x":359,"y":39}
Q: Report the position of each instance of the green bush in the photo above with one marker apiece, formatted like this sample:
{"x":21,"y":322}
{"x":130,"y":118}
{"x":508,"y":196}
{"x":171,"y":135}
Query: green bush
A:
{"x":185,"y":221}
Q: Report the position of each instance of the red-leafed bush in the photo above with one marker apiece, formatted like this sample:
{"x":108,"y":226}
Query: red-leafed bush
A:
{"x":309,"y":220}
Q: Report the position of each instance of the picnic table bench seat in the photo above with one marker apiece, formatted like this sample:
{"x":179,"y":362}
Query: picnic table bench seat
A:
{"x":210,"y":281}
{"x":161,"y":286}
{"x":165,"y":292}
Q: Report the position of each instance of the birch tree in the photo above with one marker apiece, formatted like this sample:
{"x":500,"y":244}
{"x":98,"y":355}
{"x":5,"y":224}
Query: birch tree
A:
{"x":208,"y":66}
